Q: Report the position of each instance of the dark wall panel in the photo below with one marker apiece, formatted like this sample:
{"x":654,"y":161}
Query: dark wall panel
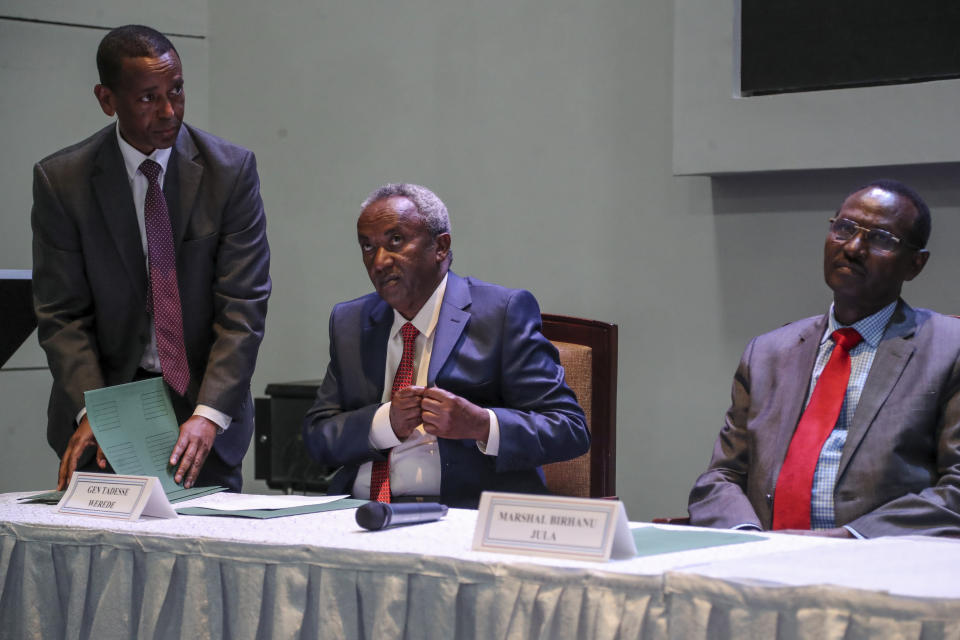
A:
{"x":807,"y":45}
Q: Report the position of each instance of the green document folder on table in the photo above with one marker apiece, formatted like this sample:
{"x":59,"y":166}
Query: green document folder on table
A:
{"x":263,"y":514}
{"x":651,"y":541}
{"x":136,"y":427}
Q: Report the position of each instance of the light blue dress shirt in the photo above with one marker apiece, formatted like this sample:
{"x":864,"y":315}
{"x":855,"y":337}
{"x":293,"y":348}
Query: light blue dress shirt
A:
{"x":871,"y":329}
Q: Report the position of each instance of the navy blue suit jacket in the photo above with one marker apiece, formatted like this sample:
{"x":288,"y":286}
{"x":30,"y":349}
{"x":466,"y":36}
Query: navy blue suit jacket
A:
{"x":488,"y":348}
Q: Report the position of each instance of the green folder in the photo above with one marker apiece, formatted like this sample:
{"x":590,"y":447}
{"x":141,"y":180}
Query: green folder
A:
{"x":342,"y":503}
{"x":653,"y":540}
{"x":136,"y":427}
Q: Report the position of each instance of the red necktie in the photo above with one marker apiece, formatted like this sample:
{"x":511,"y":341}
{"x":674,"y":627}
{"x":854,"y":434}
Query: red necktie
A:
{"x":164,"y":292}
{"x":791,"y":501}
{"x":380,"y":474}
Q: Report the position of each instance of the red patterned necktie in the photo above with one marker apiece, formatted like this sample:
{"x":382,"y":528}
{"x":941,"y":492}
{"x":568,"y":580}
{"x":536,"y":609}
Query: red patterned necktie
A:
{"x":791,"y":501}
{"x":164,"y":292}
{"x":380,"y":474}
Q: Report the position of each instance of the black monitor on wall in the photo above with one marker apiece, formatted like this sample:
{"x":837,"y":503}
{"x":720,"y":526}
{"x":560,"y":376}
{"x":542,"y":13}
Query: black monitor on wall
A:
{"x":809,"y":45}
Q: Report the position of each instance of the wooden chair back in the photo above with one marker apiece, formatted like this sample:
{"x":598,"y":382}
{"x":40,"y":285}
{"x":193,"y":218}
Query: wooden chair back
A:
{"x":588,"y":353}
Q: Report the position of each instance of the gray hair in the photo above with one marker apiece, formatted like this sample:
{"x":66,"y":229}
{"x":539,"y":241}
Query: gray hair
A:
{"x":428,"y":204}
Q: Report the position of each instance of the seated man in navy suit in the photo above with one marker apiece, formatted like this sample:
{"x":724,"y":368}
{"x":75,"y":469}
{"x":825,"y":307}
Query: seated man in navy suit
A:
{"x":439,"y":387}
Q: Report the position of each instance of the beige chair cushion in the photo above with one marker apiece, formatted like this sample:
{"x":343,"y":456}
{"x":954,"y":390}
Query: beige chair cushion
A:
{"x":572,"y":477}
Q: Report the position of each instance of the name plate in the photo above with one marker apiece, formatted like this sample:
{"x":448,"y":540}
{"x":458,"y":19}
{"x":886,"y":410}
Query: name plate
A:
{"x":579,"y":528}
{"x":112,"y":496}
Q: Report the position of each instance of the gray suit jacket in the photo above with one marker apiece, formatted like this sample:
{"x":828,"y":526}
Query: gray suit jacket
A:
{"x":90,"y":276}
{"x":900,"y":468}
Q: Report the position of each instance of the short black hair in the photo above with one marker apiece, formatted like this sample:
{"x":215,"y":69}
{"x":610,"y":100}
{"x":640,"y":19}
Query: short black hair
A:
{"x":922,"y":223}
{"x":128,"y":41}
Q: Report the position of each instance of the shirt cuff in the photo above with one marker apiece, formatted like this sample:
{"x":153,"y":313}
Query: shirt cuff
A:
{"x":492,"y":446}
{"x":747,"y":526}
{"x":381,"y":433}
{"x":218,"y":418}
{"x":854,"y":532}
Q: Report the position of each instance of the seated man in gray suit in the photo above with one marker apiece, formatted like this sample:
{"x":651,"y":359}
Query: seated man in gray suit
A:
{"x":848,"y":424}
{"x":150,"y":258}
{"x":439,"y":387}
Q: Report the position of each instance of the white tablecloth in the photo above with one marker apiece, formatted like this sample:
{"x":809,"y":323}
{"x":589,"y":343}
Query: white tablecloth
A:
{"x":321,"y":576}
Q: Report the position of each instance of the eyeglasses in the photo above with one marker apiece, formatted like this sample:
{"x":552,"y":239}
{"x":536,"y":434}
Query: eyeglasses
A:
{"x":878,"y":240}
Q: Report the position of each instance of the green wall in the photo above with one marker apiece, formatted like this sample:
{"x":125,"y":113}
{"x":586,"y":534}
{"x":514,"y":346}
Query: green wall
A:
{"x":547,"y":129}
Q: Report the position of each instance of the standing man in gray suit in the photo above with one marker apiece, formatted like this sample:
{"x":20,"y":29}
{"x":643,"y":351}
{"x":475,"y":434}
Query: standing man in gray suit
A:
{"x":150,"y":258}
{"x":848,"y":424}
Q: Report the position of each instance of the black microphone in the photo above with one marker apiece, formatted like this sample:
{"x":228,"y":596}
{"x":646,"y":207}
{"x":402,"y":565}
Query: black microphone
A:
{"x":379,"y":515}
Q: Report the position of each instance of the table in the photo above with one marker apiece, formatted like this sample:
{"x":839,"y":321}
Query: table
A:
{"x":321,"y":576}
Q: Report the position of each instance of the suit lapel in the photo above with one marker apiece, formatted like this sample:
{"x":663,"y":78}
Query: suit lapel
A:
{"x":373,"y":349}
{"x":451,"y":322}
{"x":182,"y":184}
{"x":893,"y":354}
{"x":112,"y":188}
{"x":803,"y":352}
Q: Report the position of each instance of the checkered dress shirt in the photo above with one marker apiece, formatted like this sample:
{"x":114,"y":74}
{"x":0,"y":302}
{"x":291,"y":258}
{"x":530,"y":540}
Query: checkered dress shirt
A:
{"x":861,"y":359}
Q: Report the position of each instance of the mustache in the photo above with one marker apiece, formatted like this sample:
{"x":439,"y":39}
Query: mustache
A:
{"x":384,"y":279}
{"x":853,"y":265}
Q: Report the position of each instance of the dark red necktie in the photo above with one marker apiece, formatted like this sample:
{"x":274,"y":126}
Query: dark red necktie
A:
{"x":380,"y":474}
{"x":164,"y":292}
{"x":791,"y":501}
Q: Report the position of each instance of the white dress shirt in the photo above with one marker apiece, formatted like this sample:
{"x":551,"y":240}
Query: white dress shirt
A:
{"x":414,"y":462}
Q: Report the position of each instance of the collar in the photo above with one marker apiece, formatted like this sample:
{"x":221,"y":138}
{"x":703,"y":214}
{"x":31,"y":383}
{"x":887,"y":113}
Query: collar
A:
{"x":133,"y":158}
{"x":426,"y":319}
{"x":870,"y":328}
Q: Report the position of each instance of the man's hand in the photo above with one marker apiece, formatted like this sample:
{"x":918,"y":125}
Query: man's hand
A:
{"x":447,"y":415}
{"x":405,"y":411}
{"x":838,"y":532}
{"x":192,"y":448}
{"x":81,"y":440}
